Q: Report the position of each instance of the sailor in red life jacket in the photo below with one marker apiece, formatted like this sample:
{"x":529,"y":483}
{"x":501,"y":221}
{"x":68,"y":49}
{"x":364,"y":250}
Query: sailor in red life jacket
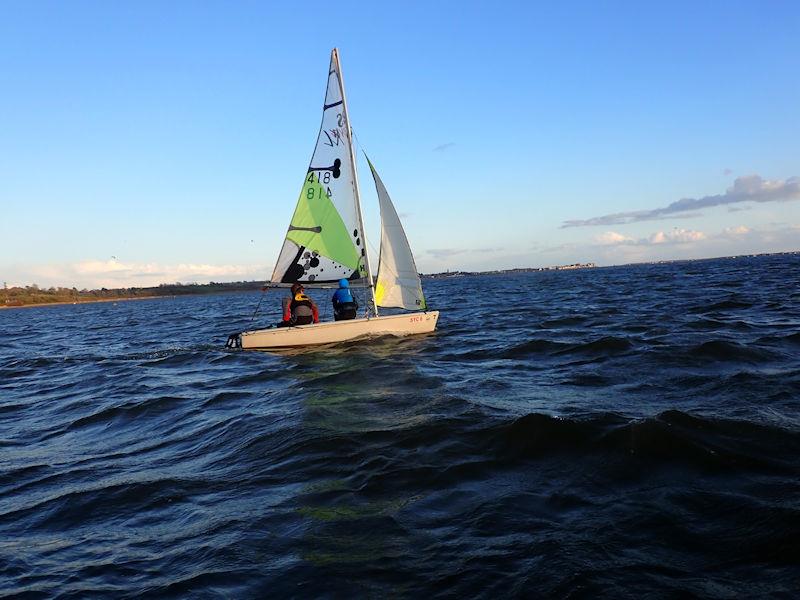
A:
{"x":298,"y":309}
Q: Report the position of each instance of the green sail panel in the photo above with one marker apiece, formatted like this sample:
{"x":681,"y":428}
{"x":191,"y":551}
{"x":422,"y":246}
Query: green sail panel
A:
{"x":324,"y":242}
{"x":317,"y":226}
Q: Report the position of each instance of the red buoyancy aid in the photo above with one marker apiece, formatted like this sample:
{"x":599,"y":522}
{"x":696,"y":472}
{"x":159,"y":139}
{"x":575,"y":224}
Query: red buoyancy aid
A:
{"x":303,"y":302}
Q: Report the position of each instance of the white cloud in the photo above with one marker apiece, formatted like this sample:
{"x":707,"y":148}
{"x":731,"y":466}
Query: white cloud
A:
{"x":676,"y":236}
{"x":688,"y":244}
{"x":612,"y":238}
{"x":733,"y":231}
{"x":114,"y":274}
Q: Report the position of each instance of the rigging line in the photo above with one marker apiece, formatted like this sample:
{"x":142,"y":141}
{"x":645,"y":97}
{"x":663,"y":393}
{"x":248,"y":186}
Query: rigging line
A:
{"x":373,"y":276}
{"x":355,"y":137}
{"x":263,"y":293}
{"x":324,"y":316}
{"x":365,"y":298}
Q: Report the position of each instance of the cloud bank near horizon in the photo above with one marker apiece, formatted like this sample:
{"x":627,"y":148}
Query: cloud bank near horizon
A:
{"x":616,"y":248}
{"x":116,"y":274}
{"x":676,"y":236}
{"x":607,"y":248}
{"x":751,"y":188}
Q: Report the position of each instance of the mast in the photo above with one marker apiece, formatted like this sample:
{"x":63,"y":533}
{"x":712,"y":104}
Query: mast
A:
{"x":355,"y":185}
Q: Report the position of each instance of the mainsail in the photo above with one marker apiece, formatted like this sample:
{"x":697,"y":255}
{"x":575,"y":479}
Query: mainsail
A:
{"x":398,"y":282}
{"x":325,"y":242}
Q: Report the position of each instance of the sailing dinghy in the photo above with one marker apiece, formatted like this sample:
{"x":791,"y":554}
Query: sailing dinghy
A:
{"x":326,"y":242}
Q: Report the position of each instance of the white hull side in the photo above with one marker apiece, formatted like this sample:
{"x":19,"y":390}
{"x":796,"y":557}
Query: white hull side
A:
{"x":340,"y":331}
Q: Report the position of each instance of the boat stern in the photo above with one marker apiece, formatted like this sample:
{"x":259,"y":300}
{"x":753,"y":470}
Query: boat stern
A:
{"x":234,"y":341}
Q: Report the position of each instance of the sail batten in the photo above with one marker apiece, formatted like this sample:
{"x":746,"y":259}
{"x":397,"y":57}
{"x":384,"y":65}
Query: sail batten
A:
{"x":398,"y":284}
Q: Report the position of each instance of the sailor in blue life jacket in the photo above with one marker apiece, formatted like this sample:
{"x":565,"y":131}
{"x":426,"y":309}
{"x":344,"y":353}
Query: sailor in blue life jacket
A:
{"x":298,"y":309}
{"x":344,"y":305}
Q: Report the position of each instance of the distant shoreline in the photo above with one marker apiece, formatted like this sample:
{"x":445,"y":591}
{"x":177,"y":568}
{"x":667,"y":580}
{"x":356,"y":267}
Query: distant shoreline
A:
{"x":591,"y":265}
{"x":29,"y":296}
{"x":95,"y":301}
{"x":19,"y":294}
{"x":515,"y":271}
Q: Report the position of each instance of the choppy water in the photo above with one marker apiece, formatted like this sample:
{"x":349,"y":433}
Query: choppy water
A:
{"x":614,"y":432}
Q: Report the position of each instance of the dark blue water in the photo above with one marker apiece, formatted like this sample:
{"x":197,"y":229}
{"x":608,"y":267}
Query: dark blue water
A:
{"x":616,"y":432}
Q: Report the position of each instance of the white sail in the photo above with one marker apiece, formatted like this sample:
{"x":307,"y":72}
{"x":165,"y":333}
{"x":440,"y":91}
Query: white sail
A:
{"x":398,"y":282}
{"x":325,"y":242}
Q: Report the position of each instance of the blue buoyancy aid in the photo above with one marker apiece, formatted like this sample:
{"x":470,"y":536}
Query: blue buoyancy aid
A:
{"x":343,"y":294}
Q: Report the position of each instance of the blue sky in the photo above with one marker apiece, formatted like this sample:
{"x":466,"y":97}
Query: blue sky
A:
{"x":145,"y":142}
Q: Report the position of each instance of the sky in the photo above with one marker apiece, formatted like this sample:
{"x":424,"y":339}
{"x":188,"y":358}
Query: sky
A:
{"x":153,"y":142}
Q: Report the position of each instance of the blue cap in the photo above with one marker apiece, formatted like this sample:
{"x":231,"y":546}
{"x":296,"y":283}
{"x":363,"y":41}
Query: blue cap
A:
{"x":343,"y":283}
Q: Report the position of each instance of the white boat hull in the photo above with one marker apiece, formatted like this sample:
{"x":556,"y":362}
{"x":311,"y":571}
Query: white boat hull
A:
{"x":339,"y":331}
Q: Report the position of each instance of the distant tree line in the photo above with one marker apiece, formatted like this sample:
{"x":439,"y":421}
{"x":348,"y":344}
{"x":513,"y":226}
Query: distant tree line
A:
{"x":33,"y":294}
